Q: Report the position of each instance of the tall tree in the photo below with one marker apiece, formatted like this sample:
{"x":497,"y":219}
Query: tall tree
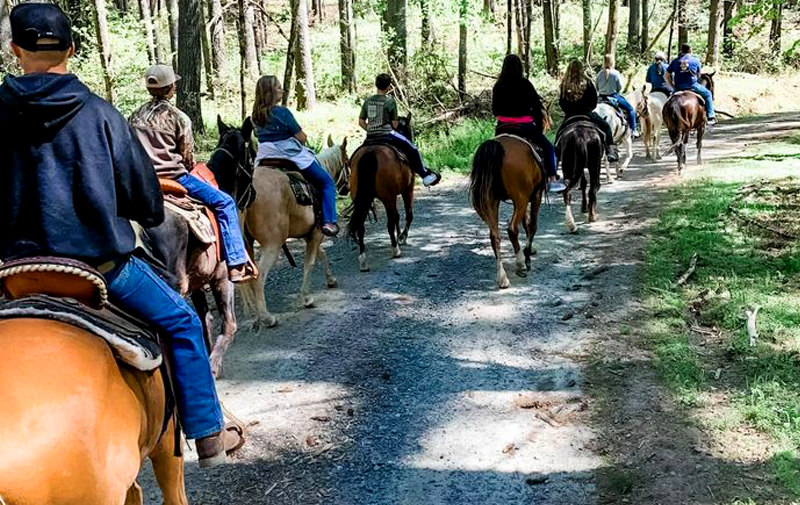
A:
{"x":463,"y":13}
{"x":190,"y":53}
{"x":527,"y":15}
{"x":550,"y":49}
{"x":728,"y":37}
{"x":509,"y":25}
{"x":683,"y":22}
{"x":520,"y":21}
{"x":645,"y":35}
{"x":776,"y":27}
{"x":101,"y":27}
{"x":207,"y":65}
{"x":586,"y":6}
{"x":259,"y":35}
{"x":394,"y":29}
{"x":172,"y":13}
{"x":712,"y":47}
{"x":306,"y":95}
{"x":611,"y":31}
{"x":346,"y":45}
{"x":290,"y":53}
{"x":251,"y":59}
{"x":557,"y":22}
{"x":633,"y":25}
{"x":6,"y":58}
{"x":489,"y":7}
{"x":427,"y":30}
{"x":147,"y":21}
{"x":217,"y":36}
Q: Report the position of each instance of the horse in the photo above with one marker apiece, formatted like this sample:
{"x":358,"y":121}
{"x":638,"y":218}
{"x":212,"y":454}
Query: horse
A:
{"x":273,"y":216}
{"x":683,"y":113}
{"x":504,"y":168}
{"x":649,"y":110}
{"x":581,"y":146}
{"x":76,"y":424}
{"x":622,"y":136}
{"x":377,"y":172}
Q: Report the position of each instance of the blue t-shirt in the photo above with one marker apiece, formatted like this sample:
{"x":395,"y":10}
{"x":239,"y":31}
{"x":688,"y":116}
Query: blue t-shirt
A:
{"x":686,"y":70}
{"x":655,"y":75}
{"x":281,"y":125}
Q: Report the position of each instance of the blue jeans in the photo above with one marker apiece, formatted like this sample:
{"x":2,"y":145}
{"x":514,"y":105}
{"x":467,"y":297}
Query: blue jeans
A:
{"x":321,"y":179}
{"x":134,"y":287}
{"x":706,"y":94}
{"x":628,"y":109}
{"x":224,"y":208}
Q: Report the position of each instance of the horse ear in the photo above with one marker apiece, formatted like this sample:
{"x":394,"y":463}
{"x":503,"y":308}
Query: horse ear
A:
{"x":330,"y":140}
{"x":247,"y":128}
{"x":221,"y":126}
{"x":344,"y":143}
{"x":409,"y":117}
{"x":712,"y":74}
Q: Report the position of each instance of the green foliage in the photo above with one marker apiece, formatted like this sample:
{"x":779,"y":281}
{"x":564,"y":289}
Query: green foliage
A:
{"x":786,"y":467}
{"x":452,"y":149}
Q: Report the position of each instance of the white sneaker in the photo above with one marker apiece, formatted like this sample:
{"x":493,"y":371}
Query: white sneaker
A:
{"x":556,"y":187}
{"x":712,"y":121}
{"x":432,"y":179}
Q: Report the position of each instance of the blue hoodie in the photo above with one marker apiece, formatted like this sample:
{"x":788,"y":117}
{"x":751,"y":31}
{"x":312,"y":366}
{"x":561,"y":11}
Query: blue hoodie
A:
{"x":72,"y":174}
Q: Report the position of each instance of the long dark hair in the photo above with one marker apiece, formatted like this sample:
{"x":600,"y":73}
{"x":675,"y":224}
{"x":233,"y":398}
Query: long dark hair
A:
{"x":512,"y":69}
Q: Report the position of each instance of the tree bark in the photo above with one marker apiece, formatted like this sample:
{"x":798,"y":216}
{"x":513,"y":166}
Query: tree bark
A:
{"x":557,"y":23}
{"x":520,"y":20}
{"x":427,"y":30}
{"x":527,"y":15}
{"x":587,"y":29}
{"x":217,"y":36}
{"x":290,"y":53}
{"x":147,"y":20}
{"x":346,"y":48}
{"x":634,"y":20}
{"x":189,"y":55}
{"x":712,"y":47}
{"x":6,"y":57}
{"x":207,"y":65}
{"x":489,"y":7}
{"x":776,"y":27}
{"x":394,"y":29}
{"x":251,"y":60}
{"x":509,"y":25}
{"x":611,"y":32}
{"x":728,"y":38}
{"x":683,"y":22}
{"x":306,"y":95}
{"x":258,"y":37}
{"x":101,"y":27}
{"x":172,"y":18}
{"x":550,"y":49}
{"x":645,"y":34}
{"x":161,"y":47}
{"x":462,"y":48}
{"x":672,"y":28}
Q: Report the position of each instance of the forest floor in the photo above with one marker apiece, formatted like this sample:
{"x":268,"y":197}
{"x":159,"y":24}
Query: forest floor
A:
{"x":422,"y":383}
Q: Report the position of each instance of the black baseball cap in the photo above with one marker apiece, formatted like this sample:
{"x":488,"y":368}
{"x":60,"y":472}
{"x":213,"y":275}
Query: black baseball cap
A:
{"x":31,"y":22}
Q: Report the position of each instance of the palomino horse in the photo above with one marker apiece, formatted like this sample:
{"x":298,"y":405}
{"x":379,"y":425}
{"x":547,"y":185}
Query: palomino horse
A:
{"x":379,"y":173}
{"x":504,"y":169}
{"x":649,"y":109}
{"x":581,"y":145}
{"x":622,"y":137}
{"x":76,"y":425}
{"x":683,"y":113}
{"x":273,"y":217}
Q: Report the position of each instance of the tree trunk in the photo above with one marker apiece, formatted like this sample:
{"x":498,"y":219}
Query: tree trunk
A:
{"x":712,"y":47}
{"x":489,"y":7}
{"x":683,"y":22}
{"x":427,"y":31}
{"x":728,"y":38}
{"x":645,"y":35}
{"x":217,"y":36}
{"x":672,"y":28}
{"x":528,"y":14}
{"x":101,"y":27}
{"x":251,"y":61}
{"x":6,"y":57}
{"x":321,"y":10}
{"x":290,"y":52}
{"x":189,"y":55}
{"x":509,"y":25}
{"x":557,"y":23}
{"x":346,"y":45}
{"x":161,"y":46}
{"x":550,"y":50}
{"x":306,"y":95}
{"x":587,"y":29}
{"x":462,"y":48}
{"x":147,"y":20}
{"x":394,"y":29}
{"x":776,"y":28}
{"x":207,"y":66}
{"x":243,"y":68}
{"x":258,"y":37}
{"x":634,"y":20}
{"x":172,"y":18}
{"x":518,"y":14}
{"x":611,"y":32}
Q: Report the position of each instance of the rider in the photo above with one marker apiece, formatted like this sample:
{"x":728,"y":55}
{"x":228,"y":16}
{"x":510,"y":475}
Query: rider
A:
{"x":609,"y":86}
{"x":279,"y":136}
{"x":73,"y":176}
{"x":166,"y":134}
{"x":519,"y":110}
{"x":379,"y":119}
{"x":682,"y":74}
{"x":656,"y":75}
{"x":578,"y":98}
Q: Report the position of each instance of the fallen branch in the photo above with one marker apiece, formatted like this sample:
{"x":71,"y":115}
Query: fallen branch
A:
{"x":752,"y":331}
{"x":722,"y":112}
{"x":692,"y":265}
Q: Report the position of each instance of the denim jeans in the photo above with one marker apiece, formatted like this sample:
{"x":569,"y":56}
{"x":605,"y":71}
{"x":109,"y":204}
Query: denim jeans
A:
{"x":411,"y":151}
{"x":706,"y":94}
{"x":628,"y":109}
{"x":321,"y":179}
{"x":224,"y":207}
{"x":134,"y":287}
{"x":535,"y":135}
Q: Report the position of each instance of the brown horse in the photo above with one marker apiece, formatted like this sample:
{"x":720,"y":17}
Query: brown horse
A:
{"x":683,"y":113}
{"x":504,"y":169}
{"x":77,"y":425}
{"x":379,"y":173}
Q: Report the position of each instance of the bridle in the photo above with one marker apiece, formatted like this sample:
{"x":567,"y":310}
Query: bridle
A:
{"x":243,"y":200}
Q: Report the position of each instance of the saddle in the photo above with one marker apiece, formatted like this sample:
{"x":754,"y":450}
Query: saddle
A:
{"x":379,"y":141}
{"x":685,"y":91}
{"x":304,"y":192}
{"x":536,"y":152}
{"x":614,"y":103}
{"x":573,"y":123}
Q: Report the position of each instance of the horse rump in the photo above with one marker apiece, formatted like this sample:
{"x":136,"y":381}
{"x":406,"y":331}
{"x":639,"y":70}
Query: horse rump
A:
{"x":486,"y":184}
{"x":366,"y":173}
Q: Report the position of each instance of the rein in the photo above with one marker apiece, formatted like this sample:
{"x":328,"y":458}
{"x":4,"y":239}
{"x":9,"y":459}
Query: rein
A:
{"x":241,"y":168}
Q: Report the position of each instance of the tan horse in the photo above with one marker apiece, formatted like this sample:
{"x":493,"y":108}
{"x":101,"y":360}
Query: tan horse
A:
{"x":504,"y":169}
{"x":649,"y":109}
{"x":77,"y":425}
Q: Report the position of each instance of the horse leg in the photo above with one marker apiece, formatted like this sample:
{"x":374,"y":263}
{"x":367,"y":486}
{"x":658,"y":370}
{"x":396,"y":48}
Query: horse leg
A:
{"x":520,"y":211}
{"x":584,"y":206}
{"x":134,"y":496}
{"x":621,"y":167}
{"x":392,"y":224}
{"x":201,"y":306}
{"x":168,"y":468}
{"x":312,"y":246}
{"x":224,"y":297}
{"x":700,"y":133}
{"x":594,"y":183}
{"x":492,"y":220}
{"x":269,"y":256}
{"x":330,"y":280}
{"x":532,"y":225}
{"x":362,"y":250}
{"x":408,"y":205}
{"x":607,"y":164}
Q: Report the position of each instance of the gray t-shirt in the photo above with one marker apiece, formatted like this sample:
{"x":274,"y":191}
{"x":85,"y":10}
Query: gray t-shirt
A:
{"x":379,"y":111}
{"x":610,"y":84}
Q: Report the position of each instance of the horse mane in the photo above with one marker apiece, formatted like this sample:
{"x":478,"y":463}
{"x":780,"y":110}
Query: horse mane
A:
{"x":330,"y":158}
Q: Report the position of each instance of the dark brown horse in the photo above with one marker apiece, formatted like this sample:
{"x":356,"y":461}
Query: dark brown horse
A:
{"x":504,"y":169}
{"x":683,"y":113}
{"x":379,"y":173}
{"x":581,"y":147}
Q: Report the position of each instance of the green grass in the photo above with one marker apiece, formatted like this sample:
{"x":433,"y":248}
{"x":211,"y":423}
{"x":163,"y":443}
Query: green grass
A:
{"x":786,"y":467}
{"x":452,"y":149}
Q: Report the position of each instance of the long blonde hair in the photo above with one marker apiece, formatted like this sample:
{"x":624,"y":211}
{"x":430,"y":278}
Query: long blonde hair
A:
{"x":266,"y":97}
{"x":574,"y":83}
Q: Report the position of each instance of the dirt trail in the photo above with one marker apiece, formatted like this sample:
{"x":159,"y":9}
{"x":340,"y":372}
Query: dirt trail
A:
{"x":420,"y":382}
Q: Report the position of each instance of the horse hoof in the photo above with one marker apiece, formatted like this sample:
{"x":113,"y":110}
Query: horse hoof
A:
{"x":396,"y":253}
{"x":264,"y":322}
{"x":402,"y":241}
{"x":522,"y":273}
{"x":362,"y":263}
{"x":216,"y":366}
{"x":592,"y":218}
{"x":333,"y":283}
{"x":364,"y":269}
{"x":308,"y":302}
{"x":504,"y":284}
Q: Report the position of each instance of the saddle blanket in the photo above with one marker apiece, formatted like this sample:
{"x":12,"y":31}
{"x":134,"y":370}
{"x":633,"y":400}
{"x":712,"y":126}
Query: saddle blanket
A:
{"x":378,"y":141}
{"x":130,"y":342}
{"x":698,"y":95}
{"x":195,"y":215}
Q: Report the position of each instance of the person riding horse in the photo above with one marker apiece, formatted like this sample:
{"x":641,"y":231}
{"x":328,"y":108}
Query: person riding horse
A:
{"x":166,"y":134}
{"x":280,"y":137}
{"x":378,"y":117}
{"x":683,"y":74}
{"x":657,"y":75}
{"x":609,"y":86}
{"x":74,"y":176}
{"x":578,"y":99}
{"x":519,"y":111}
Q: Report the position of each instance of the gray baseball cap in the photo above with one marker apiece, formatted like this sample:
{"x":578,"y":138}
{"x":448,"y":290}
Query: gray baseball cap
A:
{"x":160,"y":76}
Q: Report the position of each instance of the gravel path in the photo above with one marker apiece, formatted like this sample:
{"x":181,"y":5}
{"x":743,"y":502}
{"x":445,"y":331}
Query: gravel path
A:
{"x":420,"y":382}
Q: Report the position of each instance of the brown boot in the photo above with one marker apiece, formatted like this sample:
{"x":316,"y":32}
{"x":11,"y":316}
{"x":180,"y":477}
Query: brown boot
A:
{"x":214,"y":450}
{"x":243,"y":273}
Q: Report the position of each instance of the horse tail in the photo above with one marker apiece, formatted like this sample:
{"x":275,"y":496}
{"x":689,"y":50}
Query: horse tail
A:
{"x":485,"y":174}
{"x":366,"y":172}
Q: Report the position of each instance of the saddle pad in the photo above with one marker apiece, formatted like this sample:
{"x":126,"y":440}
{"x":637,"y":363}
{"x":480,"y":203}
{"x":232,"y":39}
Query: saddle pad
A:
{"x":195,"y":215}
{"x":130,"y":342}
{"x":378,"y":142}
{"x":304,"y":193}
{"x":686,"y":91}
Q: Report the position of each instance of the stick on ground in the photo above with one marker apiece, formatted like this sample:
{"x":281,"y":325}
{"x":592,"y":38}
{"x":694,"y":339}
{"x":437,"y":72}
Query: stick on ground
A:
{"x":692,"y":265}
{"x":751,"y":325}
